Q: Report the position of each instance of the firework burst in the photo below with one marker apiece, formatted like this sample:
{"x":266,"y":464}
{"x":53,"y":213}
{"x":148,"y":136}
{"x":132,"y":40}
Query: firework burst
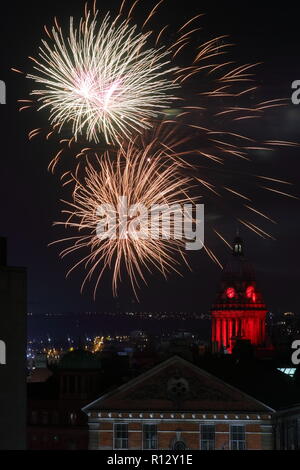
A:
{"x":103,"y":79}
{"x":109,"y":79}
{"x":147,"y":178}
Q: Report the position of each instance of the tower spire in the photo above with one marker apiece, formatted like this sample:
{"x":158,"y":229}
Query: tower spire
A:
{"x":239,"y":312}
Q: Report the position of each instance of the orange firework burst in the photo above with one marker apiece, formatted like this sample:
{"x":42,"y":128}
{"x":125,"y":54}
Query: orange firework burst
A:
{"x":148,"y":178}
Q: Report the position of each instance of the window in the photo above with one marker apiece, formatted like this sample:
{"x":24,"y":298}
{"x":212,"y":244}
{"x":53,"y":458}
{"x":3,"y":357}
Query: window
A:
{"x":72,"y":418}
{"x":45,"y":417}
{"x":34,"y":417}
{"x":237,"y":438}
{"x":72,"y":445}
{"x":72,"y":384}
{"x":150,"y":436}
{"x":121,"y":436}
{"x":288,"y":371}
{"x":55,"y":418}
{"x":207,"y":437}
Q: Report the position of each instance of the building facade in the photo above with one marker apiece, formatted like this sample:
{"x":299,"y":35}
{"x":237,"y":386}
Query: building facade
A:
{"x":287,"y":429}
{"x":178,"y":406}
{"x":55,"y":420}
{"x":13,"y":315}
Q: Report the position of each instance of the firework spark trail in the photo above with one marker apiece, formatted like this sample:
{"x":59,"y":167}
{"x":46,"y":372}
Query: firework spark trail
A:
{"x":149,"y":177}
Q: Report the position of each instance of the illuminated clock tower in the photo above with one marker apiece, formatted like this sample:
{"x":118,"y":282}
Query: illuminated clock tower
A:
{"x":239,"y":311}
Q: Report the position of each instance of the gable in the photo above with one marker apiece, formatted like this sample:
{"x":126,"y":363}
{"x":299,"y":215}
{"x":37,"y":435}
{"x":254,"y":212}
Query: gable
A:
{"x":177,"y":385}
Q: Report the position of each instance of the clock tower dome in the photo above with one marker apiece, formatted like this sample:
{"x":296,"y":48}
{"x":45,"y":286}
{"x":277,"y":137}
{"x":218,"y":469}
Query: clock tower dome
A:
{"x":239,"y":311}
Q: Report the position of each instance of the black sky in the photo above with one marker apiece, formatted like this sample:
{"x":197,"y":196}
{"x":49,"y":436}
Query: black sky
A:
{"x":30,"y":196}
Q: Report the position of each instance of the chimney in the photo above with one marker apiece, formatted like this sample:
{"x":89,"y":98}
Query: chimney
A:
{"x":3,"y":251}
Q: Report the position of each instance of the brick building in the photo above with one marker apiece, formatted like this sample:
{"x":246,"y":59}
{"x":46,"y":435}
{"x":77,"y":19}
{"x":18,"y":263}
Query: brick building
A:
{"x":55,"y":419}
{"x":176,"y":405}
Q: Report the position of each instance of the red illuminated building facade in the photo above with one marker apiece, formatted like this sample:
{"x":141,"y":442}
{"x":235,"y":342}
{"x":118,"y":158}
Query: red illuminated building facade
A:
{"x":239,"y":312}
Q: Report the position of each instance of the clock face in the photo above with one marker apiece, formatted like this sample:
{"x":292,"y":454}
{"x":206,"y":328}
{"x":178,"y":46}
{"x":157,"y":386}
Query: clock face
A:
{"x":250,"y":293}
{"x":230,"y":292}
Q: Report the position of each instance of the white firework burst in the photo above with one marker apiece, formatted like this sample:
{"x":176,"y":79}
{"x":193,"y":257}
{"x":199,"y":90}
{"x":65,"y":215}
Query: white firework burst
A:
{"x":103,"y":79}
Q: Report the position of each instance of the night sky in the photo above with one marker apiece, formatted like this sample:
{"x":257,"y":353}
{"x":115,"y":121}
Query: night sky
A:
{"x":30,"y":195}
